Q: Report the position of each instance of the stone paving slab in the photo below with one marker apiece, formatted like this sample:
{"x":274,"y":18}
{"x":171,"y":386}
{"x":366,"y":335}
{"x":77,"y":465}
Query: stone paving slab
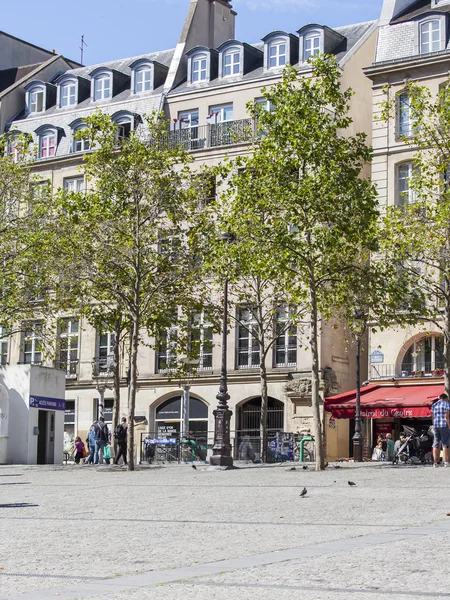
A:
{"x":129,"y":526}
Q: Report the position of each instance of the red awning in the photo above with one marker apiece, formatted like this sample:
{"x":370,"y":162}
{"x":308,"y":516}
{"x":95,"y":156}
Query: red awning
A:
{"x":384,"y":401}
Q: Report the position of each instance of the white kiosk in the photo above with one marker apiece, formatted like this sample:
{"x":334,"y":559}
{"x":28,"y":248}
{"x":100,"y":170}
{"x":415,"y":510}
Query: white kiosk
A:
{"x":32,"y":407}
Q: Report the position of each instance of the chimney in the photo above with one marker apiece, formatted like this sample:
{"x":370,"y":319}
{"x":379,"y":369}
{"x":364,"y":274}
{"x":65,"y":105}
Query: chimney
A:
{"x":221,"y":22}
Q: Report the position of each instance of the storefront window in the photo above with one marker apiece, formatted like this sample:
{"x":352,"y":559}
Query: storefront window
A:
{"x":168,"y":417}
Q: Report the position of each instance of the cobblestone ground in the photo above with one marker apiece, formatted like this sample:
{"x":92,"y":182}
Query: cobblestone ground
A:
{"x":83,"y":532}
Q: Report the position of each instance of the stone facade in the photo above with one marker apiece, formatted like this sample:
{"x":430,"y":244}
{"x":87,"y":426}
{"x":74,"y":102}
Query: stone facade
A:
{"x":289,"y":386}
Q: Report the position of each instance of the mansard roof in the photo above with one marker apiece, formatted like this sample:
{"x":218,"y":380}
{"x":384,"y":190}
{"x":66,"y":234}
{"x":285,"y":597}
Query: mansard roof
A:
{"x":418,"y":9}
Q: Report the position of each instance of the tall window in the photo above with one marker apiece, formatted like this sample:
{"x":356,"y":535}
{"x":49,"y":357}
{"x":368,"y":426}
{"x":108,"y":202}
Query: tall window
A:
{"x":32,"y":344}
{"x":4,"y":343}
{"x":286,"y":343}
{"x":36,"y":100}
{"x":430,"y":37}
{"x":248,"y":347}
{"x":405,"y":194}
{"x":69,"y":418}
{"x":221,"y":113}
{"x":102,"y":87}
{"x":312,"y":46}
{"x":189,"y":136}
{"x":199,"y":68}
{"x":142,"y":79}
{"x":68,"y":346}
{"x":105,"y":349}
{"x":47,"y":144}
{"x":405,"y":119}
{"x":424,"y":357}
{"x":166,"y":351}
{"x":80,"y":145}
{"x":231,"y":62}
{"x":277,"y":53}
{"x":68,"y":93}
{"x":74,"y":184}
{"x":201,"y":341}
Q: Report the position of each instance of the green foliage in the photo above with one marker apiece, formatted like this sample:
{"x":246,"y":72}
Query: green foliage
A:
{"x":302,"y":215}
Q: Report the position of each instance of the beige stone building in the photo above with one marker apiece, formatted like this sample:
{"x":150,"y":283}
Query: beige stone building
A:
{"x":203,"y":85}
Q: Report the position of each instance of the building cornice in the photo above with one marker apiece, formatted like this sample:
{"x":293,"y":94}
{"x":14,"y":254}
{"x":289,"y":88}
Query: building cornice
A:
{"x":396,"y":66}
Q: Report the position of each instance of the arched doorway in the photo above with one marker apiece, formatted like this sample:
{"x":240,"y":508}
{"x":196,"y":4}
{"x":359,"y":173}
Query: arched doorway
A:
{"x":168,"y":417}
{"x":248,"y":422}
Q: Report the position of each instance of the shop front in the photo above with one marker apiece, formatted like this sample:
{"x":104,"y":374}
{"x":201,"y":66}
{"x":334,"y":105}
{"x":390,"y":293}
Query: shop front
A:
{"x":385,"y":408}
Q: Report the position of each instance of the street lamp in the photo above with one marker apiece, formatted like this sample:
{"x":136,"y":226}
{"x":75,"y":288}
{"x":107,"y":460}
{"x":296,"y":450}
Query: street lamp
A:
{"x":190,"y":365}
{"x":358,"y":437}
{"x":222,"y":415}
{"x":101,"y":387}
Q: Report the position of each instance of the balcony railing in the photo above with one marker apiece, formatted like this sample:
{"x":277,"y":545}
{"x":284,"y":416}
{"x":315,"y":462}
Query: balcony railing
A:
{"x":70,"y":367}
{"x":214,"y":135}
{"x":103,"y":367}
{"x":386,"y":371}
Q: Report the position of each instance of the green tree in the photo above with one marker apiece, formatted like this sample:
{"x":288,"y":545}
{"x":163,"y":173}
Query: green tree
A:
{"x":301,"y":204}
{"x":24,"y":281}
{"x":123,"y":246}
{"x":417,"y":227}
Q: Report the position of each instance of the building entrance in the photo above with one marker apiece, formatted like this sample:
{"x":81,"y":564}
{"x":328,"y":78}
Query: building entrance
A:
{"x":46,"y":437}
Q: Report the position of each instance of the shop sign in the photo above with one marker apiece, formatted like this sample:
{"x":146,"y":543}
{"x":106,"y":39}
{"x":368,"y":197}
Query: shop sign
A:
{"x":47,"y":403}
{"x":163,"y":441}
{"x":386,"y":413}
{"x":377,"y":357}
{"x":166,"y":431}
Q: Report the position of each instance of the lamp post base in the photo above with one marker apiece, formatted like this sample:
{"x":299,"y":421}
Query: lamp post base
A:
{"x":221,"y":456}
{"x":358,"y":440}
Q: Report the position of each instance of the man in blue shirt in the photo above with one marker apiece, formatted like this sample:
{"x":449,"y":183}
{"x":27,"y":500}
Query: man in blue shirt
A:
{"x":440,"y":415}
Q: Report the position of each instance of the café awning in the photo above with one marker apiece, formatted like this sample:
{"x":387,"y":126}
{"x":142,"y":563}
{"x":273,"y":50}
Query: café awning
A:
{"x":386,"y":401}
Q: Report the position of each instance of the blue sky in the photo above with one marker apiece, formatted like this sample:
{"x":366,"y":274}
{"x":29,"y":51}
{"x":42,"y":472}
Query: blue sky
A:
{"x":122,"y":28}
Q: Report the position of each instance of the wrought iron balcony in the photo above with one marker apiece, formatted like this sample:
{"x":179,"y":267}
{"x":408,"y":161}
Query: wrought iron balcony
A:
{"x":214,"y":135}
{"x":103,"y":366}
{"x":385,"y":371}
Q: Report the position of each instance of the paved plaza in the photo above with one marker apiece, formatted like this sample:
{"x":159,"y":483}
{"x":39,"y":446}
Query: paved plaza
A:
{"x":100,"y":533}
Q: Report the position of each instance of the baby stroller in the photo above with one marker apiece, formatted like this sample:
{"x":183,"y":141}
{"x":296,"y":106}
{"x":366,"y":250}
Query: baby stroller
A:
{"x":409,"y":450}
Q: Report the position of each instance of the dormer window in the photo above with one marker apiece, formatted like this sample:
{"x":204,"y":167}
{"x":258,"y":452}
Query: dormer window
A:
{"x":277,"y":53}
{"x":48,"y":141}
{"x":142,"y":79}
{"x":199,"y":67}
{"x":430,"y":36}
{"x":231,"y":62}
{"x":67,"y":94}
{"x":79,"y":145}
{"x":36,"y":100}
{"x":125,"y":123}
{"x":101,"y":86}
{"x":312,"y":46}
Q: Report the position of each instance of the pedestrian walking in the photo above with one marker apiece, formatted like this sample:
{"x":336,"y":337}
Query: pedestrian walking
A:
{"x":101,"y":439}
{"x":80,"y":451}
{"x":90,"y":441}
{"x":389,"y":447}
{"x":440,"y":415}
{"x":120,"y":434}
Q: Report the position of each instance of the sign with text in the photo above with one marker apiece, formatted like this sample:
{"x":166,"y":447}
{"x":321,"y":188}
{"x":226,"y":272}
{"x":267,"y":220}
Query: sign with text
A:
{"x":47,"y":403}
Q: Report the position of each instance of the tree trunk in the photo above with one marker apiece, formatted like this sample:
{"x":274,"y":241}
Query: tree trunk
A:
{"x":116,"y":406}
{"x":315,"y":388}
{"x":264,"y":405}
{"x":134,"y":337}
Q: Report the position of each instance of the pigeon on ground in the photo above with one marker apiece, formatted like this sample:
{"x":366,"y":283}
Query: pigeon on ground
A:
{"x":303,"y":492}
{"x":337,"y":467}
{"x":194,"y":467}
{"x":305,"y":467}
{"x":291,"y":469}
{"x":326,"y":465}
{"x":351,"y":484}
